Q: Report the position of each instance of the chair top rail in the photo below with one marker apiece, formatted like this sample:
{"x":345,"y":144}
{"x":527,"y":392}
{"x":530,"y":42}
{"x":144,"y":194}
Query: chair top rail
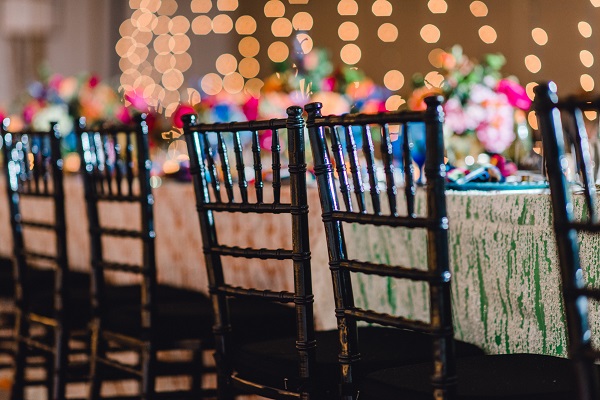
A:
{"x":399,"y":117}
{"x":240,"y":126}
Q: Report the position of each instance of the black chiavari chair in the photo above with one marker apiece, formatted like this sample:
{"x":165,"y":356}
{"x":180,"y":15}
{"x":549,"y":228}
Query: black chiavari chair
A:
{"x":46,"y":316}
{"x":143,"y":317}
{"x":443,"y":368}
{"x":558,"y":132}
{"x":240,"y":352}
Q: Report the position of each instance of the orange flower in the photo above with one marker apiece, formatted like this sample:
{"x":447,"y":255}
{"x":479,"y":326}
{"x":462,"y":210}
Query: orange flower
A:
{"x":416,"y":100}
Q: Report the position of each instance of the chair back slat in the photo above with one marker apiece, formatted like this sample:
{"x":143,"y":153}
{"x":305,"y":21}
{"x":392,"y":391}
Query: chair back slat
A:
{"x":410,"y":188}
{"x":118,"y":164}
{"x":239,"y":165}
{"x":388,"y":168}
{"x":227,"y":178}
{"x":574,"y":289}
{"x":355,"y":170}
{"x":276,"y":165}
{"x":258,"y":181}
{"x":369,"y":153}
{"x":435,"y":223}
{"x":129,"y":164}
{"x":109,"y":162}
{"x":583,"y":156}
{"x":212,"y":169}
{"x":340,"y":166}
{"x":296,"y":208}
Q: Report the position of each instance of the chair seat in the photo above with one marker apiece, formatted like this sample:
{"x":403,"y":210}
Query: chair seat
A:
{"x":270,"y":362}
{"x":496,"y":377}
{"x":176,"y":321}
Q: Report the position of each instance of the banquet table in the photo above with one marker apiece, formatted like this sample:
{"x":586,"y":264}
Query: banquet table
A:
{"x":506,"y":283}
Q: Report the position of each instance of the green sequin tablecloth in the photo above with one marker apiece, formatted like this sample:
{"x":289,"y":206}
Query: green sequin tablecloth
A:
{"x":506,"y":283}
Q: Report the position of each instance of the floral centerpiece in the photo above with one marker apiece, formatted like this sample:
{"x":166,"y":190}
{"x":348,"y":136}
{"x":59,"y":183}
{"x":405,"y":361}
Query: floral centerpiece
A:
{"x":63,"y":99}
{"x":481,"y":107}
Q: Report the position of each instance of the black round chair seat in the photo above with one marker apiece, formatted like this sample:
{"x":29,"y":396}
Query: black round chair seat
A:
{"x":496,"y":377}
{"x":272,"y":361}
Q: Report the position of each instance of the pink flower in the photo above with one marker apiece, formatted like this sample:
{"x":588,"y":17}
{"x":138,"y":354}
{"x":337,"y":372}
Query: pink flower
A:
{"x":496,"y":134}
{"x":515,"y":93}
{"x":122,"y":114}
{"x":55,"y":81}
{"x":137,"y":101}
{"x":250,"y":108}
{"x":328,"y":84}
{"x":94,"y":81}
{"x":181,"y":110}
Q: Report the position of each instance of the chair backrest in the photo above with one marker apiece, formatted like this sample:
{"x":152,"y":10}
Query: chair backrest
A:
{"x":33,"y":168}
{"x":116,"y":169}
{"x":215,"y":193}
{"x":576,"y":293}
{"x":326,"y":130}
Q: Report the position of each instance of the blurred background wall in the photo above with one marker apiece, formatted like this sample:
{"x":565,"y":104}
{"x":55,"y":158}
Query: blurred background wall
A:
{"x":83,"y":34}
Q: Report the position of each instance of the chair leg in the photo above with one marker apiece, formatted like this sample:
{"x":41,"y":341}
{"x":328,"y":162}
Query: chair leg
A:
{"x":98,"y":349}
{"x":148,"y":384}
{"x":18,"y":388}
{"x":61,"y":361}
{"x":197,"y":371}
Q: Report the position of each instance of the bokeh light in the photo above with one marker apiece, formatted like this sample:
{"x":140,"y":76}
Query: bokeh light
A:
{"x":435,"y":57}
{"x":479,"y":9}
{"x":585,"y":29}
{"x":226,"y":64}
{"x":532,"y":120}
{"x":533,"y":63}
{"x":437,"y":6}
{"x":587,"y":82}
{"x":382,"y":8}
{"x":430,"y":33}
{"x":394,"y":102}
{"x":306,"y":42}
{"x":529,"y":88}
{"x":281,"y":27}
{"x":168,"y":7}
{"x":179,"y":25}
{"x":350,"y":54}
{"x":587,"y":58}
{"x":245,"y":25}
{"x":348,"y":31}
{"x":387,"y":32}
{"x":302,"y":21}
{"x":211,"y":84}
{"x":539,"y":36}
{"x":249,"y":46}
{"x":347,"y":7}
{"x":393,"y":80}
{"x":227,"y":5}
{"x":201,"y":6}
{"x":233,"y":83}
{"x":278,"y":52}
{"x":249,"y":67}
{"x":487,"y":34}
{"x":253,"y":87}
{"x":274,"y":9}
{"x":434,"y":79}
{"x":222,"y":24}
{"x":201,"y":25}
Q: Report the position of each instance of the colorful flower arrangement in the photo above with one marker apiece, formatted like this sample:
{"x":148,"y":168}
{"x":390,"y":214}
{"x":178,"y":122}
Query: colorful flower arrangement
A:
{"x":59,"y":98}
{"x":481,"y":107}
